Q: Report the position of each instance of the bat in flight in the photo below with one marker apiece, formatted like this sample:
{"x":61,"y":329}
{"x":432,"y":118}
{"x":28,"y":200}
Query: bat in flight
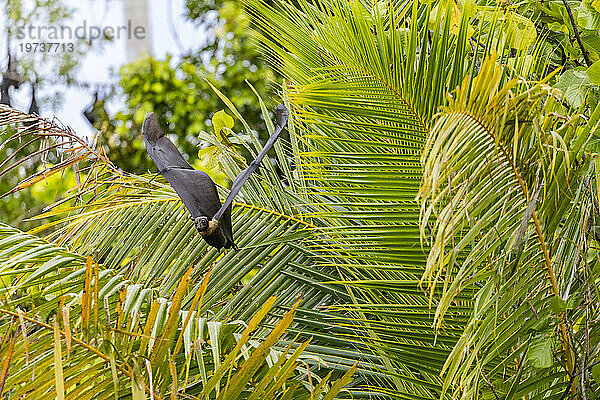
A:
{"x":195,"y":188}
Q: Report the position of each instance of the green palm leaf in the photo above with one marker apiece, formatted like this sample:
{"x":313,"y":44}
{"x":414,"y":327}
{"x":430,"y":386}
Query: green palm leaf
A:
{"x":505,"y":192}
{"x":361,"y":89}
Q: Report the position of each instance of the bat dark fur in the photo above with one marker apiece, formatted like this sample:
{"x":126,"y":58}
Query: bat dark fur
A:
{"x":195,"y":188}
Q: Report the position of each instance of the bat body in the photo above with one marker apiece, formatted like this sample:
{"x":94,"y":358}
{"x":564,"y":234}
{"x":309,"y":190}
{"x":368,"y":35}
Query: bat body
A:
{"x":195,"y":188}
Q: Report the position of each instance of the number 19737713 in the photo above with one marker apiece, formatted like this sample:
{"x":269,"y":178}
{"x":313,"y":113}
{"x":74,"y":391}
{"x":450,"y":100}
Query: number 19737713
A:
{"x":46,"y":47}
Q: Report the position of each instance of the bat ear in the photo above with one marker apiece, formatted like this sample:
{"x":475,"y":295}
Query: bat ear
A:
{"x":151,"y":129}
{"x":281,"y":115}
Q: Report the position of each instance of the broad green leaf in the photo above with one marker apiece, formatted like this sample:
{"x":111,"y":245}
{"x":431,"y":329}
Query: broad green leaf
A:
{"x":539,"y":352}
{"x":591,"y":42}
{"x":557,"y":305}
{"x":440,"y":11}
{"x":593,"y":73}
{"x":587,"y":16}
{"x":575,"y":85}
{"x":209,"y":157}
{"x":222,"y":120}
{"x":596,"y":373}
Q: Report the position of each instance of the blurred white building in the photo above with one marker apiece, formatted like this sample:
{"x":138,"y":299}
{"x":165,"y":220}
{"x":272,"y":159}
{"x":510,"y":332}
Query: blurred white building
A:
{"x":136,"y":16}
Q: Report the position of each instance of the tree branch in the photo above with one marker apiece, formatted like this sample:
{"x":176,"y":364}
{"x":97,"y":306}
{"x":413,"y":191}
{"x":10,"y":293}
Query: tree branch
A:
{"x":576,"y":32}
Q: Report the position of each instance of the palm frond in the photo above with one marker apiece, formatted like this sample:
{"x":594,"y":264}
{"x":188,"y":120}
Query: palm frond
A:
{"x":505,"y":194}
{"x":135,"y":227}
{"x":112,"y":336}
{"x":363,"y":84}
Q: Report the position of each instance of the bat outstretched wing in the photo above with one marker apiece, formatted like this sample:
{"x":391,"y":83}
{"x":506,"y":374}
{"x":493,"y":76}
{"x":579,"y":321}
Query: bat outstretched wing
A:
{"x":161,"y":150}
{"x":225,"y":224}
{"x":195,"y":188}
{"x":281,"y":114}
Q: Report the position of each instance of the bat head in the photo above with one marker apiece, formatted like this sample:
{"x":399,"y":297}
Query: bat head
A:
{"x":281,"y":115}
{"x":202,"y":224}
{"x":211,"y":232}
{"x":151,"y":129}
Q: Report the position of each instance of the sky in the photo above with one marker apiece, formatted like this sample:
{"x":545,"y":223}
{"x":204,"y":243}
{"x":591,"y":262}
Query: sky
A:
{"x":103,"y":66}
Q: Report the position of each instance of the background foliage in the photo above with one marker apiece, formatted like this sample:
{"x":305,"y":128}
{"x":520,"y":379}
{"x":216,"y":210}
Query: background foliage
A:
{"x":45,"y":71}
{"x":178,"y":91}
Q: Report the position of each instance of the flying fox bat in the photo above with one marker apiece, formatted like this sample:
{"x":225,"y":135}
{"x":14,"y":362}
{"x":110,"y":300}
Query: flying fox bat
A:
{"x":195,"y":188}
